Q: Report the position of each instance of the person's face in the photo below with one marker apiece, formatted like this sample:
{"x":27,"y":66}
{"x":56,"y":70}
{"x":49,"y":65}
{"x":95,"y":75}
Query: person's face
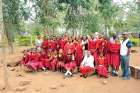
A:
{"x":84,"y":37}
{"x":124,"y":36}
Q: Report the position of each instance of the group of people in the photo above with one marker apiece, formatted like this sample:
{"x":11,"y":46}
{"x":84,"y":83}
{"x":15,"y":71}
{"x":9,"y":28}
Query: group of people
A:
{"x":84,"y":54}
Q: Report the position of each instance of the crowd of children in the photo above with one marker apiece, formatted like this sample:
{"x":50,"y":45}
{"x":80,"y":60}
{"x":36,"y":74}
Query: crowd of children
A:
{"x":67,"y":55}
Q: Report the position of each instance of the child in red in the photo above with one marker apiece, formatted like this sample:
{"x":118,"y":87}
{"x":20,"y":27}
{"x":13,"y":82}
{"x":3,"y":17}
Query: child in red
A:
{"x":79,"y":53}
{"x":33,"y":62}
{"x":70,"y":65}
{"x":60,"y":58}
{"x":101,"y":68}
{"x":54,"y":61}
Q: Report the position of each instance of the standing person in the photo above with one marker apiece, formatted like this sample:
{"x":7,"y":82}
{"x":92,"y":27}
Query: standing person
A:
{"x":85,"y":42}
{"x":125,"y":55}
{"x":45,"y":44}
{"x":38,"y":43}
{"x":69,"y":46}
{"x":115,"y":56}
{"x":87,"y":65}
{"x":112,"y":50}
{"x":79,"y":53}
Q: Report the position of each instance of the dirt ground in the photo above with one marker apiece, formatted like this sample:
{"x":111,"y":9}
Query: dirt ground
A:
{"x":53,"y":82}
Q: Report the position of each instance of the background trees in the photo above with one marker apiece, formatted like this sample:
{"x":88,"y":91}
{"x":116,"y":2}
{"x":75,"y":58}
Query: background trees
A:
{"x":72,"y":16}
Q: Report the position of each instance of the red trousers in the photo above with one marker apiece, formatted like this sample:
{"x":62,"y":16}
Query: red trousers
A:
{"x":102,"y":71}
{"x":86,"y":70}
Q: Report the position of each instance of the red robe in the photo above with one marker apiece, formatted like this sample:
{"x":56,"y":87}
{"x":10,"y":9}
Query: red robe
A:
{"x":44,"y":61}
{"x":33,"y":62}
{"x":101,"y":67}
{"x":45,"y":45}
{"x":61,"y":63}
{"x":54,"y":63}
{"x":53,"y":45}
{"x":79,"y":54}
{"x":115,"y":56}
{"x":69,"y":46}
{"x":86,"y":70}
{"x":62,"y":43}
{"x":108,"y":54}
{"x":70,"y":62}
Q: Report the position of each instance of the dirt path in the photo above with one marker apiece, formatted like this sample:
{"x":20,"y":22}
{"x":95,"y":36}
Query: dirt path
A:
{"x":53,"y":82}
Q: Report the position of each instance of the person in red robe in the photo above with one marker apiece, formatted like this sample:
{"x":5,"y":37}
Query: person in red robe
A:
{"x":115,"y":57}
{"x":45,"y":44}
{"x":53,"y":44}
{"x":69,"y":46}
{"x":25,"y":58}
{"x":54,"y":61}
{"x":79,"y":53}
{"x":44,"y":61}
{"x":70,"y":64}
{"x":63,"y":41}
{"x":101,"y":66}
{"x":61,"y":63}
{"x":33,"y":62}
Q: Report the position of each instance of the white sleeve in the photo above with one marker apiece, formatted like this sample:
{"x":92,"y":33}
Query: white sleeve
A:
{"x":84,"y":60}
{"x":92,"y":61}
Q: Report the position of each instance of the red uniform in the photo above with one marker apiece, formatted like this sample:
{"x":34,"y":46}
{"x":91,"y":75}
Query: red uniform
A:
{"x":33,"y":62}
{"x":86,"y":70}
{"x":108,"y":54}
{"x":70,"y":62}
{"x":62,"y":43}
{"x":101,"y":68}
{"x":54,"y":63}
{"x":69,"y":46}
{"x":115,"y":56}
{"x":53,"y":45}
{"x":79,"y":54}
{"x":45,"y":45}
{"x":60,"y":64}
{"x":44,"y":61}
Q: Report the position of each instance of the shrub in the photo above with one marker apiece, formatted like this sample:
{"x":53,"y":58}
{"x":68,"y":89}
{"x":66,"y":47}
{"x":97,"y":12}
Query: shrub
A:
{"x":135,"y":41}
{"x":25,"y":40}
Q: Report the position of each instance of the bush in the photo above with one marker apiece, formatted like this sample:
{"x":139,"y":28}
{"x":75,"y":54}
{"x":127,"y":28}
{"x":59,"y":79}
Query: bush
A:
{"x":135,"y":41}
{"x":25,"y":40}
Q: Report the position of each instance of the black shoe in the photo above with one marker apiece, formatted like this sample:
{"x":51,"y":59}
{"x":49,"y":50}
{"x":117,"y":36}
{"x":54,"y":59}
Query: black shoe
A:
{"x":85,"y":76}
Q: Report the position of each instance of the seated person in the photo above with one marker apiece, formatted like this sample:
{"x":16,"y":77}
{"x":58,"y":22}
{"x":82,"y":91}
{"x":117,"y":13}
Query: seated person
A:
{"x":87,"y":65}
{"x":101,"y":66}
{"x":70,"y":64}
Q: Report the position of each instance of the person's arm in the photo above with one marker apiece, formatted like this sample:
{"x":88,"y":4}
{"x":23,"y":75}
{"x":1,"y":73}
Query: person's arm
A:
{"x":129,"y":45}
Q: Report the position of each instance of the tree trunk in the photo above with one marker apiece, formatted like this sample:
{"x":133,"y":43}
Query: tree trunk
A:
{"x":3,"y":43}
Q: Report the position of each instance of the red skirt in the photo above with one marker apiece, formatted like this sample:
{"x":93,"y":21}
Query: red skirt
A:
{"x":86,"y":70}
{"x":60,"y":64}
{"x":115,"y":61}
{"x":53,"y":64}
{"x":79,"y":59}
{"x":33,"y":65}
{"x":70,"y":65}
{"x":102,"y":70}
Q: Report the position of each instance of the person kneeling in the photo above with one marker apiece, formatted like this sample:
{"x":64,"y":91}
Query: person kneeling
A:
{"x":87,"y":65}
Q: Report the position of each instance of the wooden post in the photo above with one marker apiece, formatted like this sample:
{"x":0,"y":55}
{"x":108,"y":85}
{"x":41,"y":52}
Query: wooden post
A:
{"x":3,"y":43}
